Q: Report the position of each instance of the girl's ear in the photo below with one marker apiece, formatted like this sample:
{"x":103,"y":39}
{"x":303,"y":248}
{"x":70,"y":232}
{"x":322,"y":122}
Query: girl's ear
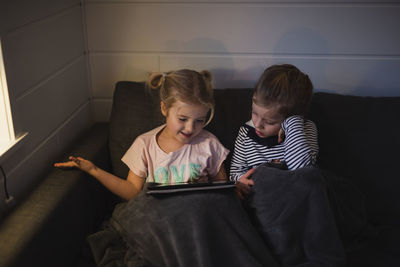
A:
{"x":163,"y":109}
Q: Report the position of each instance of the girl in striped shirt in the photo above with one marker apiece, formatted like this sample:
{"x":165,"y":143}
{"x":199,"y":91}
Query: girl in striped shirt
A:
{"x":277,"y":131}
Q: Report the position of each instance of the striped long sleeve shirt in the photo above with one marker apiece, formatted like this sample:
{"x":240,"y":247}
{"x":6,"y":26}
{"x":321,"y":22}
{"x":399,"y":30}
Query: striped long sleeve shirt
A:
{"x":299,"y":148}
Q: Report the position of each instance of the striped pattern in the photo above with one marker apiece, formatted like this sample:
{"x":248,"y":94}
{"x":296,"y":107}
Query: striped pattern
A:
{"x":299,"y":149}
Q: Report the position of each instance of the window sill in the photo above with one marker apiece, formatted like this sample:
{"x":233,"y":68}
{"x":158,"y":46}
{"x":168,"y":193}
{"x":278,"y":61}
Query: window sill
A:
{"x":6,"y":150}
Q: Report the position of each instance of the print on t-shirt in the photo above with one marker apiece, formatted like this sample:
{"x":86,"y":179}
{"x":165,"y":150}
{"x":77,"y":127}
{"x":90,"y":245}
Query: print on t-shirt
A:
{"x":163,"y":175}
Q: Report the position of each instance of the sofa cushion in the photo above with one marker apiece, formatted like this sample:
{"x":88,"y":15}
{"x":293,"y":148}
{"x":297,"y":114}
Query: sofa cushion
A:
{"x":359,"y":139}
{"x":134,"y":111}
{"x":232,"y":109}
{"x":49,"y":226}
{"x":358,"y":136}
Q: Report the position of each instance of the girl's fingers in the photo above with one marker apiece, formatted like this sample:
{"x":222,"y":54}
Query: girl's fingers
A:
{"x":243,"y":188}
{"x":247,"y":182}
{"x":74,"y":162}
{"x":248,"y":174}
{"x":68,"y":164}
{"x":77,"y":160}
{"x":246,"y":178}
{"x":250,"y":182}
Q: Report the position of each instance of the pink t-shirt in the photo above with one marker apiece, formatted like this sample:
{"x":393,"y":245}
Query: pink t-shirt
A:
{"x":202,"y":156}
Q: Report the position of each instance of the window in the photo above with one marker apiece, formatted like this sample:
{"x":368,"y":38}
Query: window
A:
{"x":7,"y":137}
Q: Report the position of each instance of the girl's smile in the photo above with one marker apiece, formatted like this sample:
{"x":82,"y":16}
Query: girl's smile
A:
{"x":186,"y":135}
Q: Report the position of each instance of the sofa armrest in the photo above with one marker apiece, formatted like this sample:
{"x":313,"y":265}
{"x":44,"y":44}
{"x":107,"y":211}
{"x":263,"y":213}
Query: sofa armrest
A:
{"x":49,"y":227}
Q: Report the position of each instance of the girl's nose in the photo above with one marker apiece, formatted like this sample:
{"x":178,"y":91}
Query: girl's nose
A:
{"x":189,"y":127}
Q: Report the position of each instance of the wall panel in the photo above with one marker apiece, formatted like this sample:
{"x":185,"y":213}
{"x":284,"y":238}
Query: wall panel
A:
{"x":345,"y":47}
{"x":34,"y":52}
{"x":48,"y":82}
{"x":15,"y":14}
{"x":47,"y":107}
{"x":79,"y":122}
{"x":253,"y":28}
{"x":107,"y":69}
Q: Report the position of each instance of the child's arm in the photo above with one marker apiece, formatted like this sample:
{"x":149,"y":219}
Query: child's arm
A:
{"x":126,"y":189}
{"x":239,"y":164}
{"x":301,"y":142}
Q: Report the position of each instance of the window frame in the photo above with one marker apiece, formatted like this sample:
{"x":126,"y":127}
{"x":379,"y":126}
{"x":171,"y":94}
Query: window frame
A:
{"x":8,"y":141}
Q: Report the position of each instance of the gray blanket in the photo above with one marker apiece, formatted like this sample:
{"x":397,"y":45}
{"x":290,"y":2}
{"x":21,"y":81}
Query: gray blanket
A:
{"x":307,"y":216}
{"x":291,"y":218}
{"x":204,"y":228}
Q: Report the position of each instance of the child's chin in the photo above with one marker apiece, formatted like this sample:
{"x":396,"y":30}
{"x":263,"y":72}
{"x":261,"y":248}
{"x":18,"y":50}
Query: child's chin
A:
{"x":185,"y":140}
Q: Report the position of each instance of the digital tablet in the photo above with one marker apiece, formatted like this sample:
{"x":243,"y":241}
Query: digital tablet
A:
{"x":159,"y":188}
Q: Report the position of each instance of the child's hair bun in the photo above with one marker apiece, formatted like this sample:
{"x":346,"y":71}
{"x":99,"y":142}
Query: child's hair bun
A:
{"x":206,"y":75}
{"x":155,"y":80}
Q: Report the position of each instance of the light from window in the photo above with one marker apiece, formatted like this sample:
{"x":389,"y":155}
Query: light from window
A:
{"x":7,"y":137}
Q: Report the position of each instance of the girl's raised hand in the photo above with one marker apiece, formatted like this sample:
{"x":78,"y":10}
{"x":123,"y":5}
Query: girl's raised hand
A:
{"x":76,"y":162}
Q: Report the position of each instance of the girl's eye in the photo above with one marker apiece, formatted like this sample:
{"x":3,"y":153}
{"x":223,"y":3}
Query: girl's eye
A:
{"x":182,"y":119}
{"x":201,"y":121}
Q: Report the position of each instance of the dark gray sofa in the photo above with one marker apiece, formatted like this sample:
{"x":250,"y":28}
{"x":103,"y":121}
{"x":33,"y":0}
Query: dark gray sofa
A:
{"x":358,"y":139}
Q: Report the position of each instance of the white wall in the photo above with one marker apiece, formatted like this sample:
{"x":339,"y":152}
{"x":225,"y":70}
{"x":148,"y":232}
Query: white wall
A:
{"x":345,"y":48}
{"x":46,"y":67}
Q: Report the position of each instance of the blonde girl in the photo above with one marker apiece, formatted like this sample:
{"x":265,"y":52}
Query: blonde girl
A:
{"x":179,"y":150}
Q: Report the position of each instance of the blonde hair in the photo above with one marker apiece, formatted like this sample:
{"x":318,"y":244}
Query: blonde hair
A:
{"x":185,"y":85}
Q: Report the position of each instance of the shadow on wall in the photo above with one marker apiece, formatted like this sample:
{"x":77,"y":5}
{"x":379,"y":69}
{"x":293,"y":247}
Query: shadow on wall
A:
{"x":228,"y":70}
{"x":302,"y":47}
{"x":331,"y":73}
{"x":307,"y":50}
{"x":239,"y":78}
